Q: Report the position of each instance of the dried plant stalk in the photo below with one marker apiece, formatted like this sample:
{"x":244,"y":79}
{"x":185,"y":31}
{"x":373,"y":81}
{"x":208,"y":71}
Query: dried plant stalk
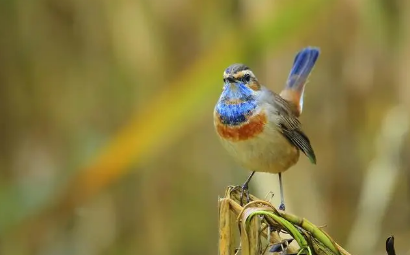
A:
{"x":262,"y":229}
{"x":226,"y":228}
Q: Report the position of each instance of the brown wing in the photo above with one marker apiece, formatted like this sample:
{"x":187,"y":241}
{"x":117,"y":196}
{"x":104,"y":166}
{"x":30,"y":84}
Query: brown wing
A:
{"x":290,"y":127}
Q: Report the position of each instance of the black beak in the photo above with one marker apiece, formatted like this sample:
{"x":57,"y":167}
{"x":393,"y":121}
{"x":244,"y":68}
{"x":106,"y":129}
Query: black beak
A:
{"x":230,"y":79}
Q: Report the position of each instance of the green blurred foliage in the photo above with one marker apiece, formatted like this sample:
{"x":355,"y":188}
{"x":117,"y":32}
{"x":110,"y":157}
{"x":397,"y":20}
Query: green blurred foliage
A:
{"x":107,"y":142}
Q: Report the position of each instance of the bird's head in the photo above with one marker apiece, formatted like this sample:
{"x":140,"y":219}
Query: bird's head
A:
{"x":240,"y":84}
{"x":239,"y":97}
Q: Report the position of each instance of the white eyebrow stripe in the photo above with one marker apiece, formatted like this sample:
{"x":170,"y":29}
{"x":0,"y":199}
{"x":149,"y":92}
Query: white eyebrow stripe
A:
{"x":248,"y":72}
{"x":240,"y":74}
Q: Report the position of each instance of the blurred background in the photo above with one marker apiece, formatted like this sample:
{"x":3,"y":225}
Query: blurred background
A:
{"x":107,"y":139}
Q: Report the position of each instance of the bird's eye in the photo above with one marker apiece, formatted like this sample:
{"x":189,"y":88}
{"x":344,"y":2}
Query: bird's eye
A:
{"x":246,"y":78}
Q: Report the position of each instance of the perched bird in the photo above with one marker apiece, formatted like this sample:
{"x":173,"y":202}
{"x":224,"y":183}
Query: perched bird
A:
{"x":260,"y":128}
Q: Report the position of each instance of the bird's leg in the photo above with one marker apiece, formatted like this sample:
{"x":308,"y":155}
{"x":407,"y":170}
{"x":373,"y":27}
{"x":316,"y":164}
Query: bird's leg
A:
{"x":282,"y":197}
{"x":245,"y":188}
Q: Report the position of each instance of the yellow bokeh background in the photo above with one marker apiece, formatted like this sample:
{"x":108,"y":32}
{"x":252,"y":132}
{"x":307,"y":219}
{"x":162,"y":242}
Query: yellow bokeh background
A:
{"x":107,"y":139}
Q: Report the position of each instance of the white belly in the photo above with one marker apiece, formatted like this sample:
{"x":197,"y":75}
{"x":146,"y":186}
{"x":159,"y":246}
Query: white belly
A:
{"x":269,"y":152}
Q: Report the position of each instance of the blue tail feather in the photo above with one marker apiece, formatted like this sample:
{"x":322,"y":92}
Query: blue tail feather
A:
{"x":302,"y":66}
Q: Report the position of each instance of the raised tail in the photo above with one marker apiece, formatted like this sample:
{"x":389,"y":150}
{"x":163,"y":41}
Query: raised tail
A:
{"x":302,"y":66}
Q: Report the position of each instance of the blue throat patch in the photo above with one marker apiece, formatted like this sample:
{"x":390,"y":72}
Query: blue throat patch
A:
{"x":236,"y":114}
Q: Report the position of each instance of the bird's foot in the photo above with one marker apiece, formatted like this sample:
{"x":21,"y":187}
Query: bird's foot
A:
{"x":282,"y":246}
{"x":245,"y":191}
{"x":282,"y":206}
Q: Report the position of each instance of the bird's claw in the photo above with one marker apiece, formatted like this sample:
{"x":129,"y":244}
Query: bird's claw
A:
{"x":281,"y":247}
{"x":245,"y":191}
{"x":282,"y":206}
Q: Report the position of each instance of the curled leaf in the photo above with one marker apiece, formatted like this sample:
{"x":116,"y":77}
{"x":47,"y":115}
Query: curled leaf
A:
{"x":390,"y":246}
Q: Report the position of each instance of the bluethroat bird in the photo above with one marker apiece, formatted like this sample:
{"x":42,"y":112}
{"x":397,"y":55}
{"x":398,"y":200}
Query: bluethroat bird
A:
{"x":260,"y":128}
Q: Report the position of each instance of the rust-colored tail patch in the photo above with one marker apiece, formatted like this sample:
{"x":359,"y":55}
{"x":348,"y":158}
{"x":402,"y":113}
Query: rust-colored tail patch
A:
{"x":294,"y":97}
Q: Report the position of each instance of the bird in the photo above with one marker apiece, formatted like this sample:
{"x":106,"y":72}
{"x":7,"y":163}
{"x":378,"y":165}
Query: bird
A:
{"x":259,"y":128}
